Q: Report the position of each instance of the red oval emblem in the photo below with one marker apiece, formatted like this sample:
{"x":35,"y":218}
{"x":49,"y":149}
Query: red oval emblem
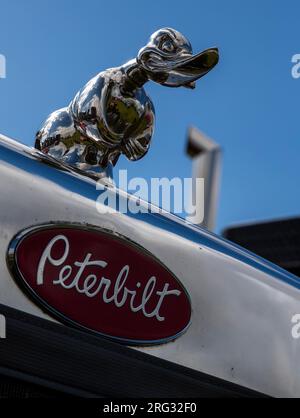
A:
{"x":101,"y":282}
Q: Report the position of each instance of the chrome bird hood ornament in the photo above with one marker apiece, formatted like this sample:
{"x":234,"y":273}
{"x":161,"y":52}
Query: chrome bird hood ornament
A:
{"x":112,"y":114}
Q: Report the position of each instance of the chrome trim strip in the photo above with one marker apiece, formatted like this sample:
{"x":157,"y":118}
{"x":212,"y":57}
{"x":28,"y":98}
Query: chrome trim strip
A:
{"x":18,"y":155}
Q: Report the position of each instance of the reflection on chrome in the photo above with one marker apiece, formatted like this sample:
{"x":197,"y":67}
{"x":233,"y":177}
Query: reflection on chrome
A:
{"x":112,"y":114}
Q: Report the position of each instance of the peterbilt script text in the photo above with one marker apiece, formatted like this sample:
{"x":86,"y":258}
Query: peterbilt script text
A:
{"x":91,"y":285}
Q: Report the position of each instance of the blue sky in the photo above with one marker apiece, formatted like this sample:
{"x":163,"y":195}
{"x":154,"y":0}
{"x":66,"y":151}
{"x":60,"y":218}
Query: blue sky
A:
{"x":250,"y":104}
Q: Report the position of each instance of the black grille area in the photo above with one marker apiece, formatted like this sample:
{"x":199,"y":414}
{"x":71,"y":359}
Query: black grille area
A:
{"x":278,"y":241}
{"x":17,"y":389}
{"x":57,"y":361}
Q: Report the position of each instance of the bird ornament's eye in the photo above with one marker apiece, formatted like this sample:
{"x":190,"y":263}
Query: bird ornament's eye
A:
{"x":167,"y":45}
